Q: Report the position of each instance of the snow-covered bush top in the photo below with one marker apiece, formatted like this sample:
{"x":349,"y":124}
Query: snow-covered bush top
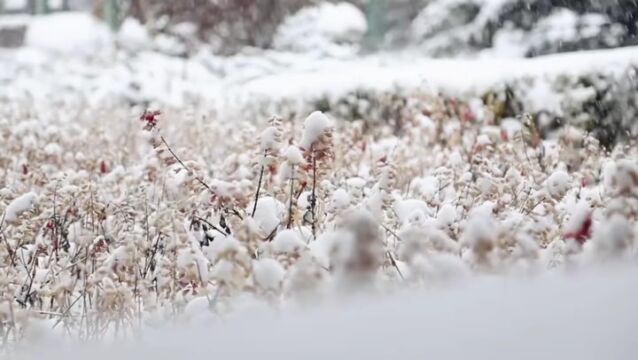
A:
{"x":334,"y":28}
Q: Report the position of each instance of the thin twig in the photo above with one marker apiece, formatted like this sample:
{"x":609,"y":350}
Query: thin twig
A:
{"x":199,"y":180}
{"x":396,"y":266}
{"x":65,"y":312}
{"x":272,"y":233}
{"x":6,"y":242}
{"x":313,"y":198}
{"x":210,"y":224}
{"x":391,"y":232}
{"x":261,"y":177}
{"x":392,"y":260}
{"x":148,"y":266}
{"x":292,"y":182}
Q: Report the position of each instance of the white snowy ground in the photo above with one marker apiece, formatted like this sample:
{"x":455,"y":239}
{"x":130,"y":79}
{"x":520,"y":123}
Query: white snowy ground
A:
{"x":71,"y":58}
{"x":590,"y":315}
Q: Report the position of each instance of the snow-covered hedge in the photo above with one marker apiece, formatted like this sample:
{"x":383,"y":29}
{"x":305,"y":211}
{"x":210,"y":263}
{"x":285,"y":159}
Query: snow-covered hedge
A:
{"x":524,"y":27}
{"x":112,"y":222}
{"x":227,"y":26}
{"x":603,"y":104}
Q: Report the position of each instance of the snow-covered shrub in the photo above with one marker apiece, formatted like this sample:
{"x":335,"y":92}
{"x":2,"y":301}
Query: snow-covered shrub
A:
{"x":227,"y":26}
{"x":334,"y":28}
{"x":601,"y":103}
{"x":133,"y":36}
{"x":175,"y":215}
{"x":523,"y":27}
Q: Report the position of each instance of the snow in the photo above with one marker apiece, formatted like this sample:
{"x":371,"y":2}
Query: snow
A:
{"x":14,"y":21}
{"x":14,"y":4}
{"x":68,"y":33}
{"x":356,"y":182}
{"x":592,"y":314}
{"x":223,"y":271}
{"x":268,"y":214}
{"x":322,"y":249}
{"x":479,"y":231}
{"x":268,"y":274}
{"x":558,"y":183}
{"x":409,"y":71}
{"x":581,"y":212}
{"x":406,"y":209}
{"x":340,"y":199}
{"x":294,"y":155}
{"x":197,"y":308}
{"x":269,"y":139}
{"x":314,"y":126}
{"x":133,"y":36}
{"x":287,"y":242}
{"x":334,"y":28}
{"x":223,"y":246}
{"x":564,"y":25}
{"x":446,"y":215}
{"x":229,"y":83}
{"x":19,"y":205}
{"x":427,"y":187}
{"x":613,"y":237}
{"x":623,"y":176}
{"x":440,"y":268}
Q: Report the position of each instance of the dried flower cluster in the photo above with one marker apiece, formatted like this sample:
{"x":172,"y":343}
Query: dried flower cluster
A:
{"x":109,"y":225}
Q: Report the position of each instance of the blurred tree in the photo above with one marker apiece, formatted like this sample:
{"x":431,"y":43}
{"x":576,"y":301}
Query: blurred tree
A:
{"x":42,"y":7}
{"x":31,"y":6}
{"x":112,"y":13}
{"x":226,"y":24}
{"x":376,"y":10}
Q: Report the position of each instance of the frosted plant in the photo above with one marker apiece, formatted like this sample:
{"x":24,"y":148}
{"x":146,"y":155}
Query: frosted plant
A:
{"x":113,"y":227}
{"x":318,"y":152}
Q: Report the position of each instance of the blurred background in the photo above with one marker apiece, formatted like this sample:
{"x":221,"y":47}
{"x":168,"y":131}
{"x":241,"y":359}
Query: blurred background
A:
{"x":359,"y":60}
{"x":439,"y":27}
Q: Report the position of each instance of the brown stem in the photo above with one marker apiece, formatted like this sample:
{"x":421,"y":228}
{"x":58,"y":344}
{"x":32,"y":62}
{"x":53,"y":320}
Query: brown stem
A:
{"x":199,"y":180}
{"x":392,"y":260}
{"x":6,"y":242}
{"x":313,"y":198}
{"x":211,"y":225}
{"x":292,"y":182}
{"x":261,"y":177}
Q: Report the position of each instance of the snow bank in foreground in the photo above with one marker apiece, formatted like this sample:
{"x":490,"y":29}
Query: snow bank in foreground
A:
{"x":585,"y":316}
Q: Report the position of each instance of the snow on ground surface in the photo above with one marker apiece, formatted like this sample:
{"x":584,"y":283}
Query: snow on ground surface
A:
{"x":453,"y":75}
{"x":232,"y":82}
{"x":586,"y":316}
